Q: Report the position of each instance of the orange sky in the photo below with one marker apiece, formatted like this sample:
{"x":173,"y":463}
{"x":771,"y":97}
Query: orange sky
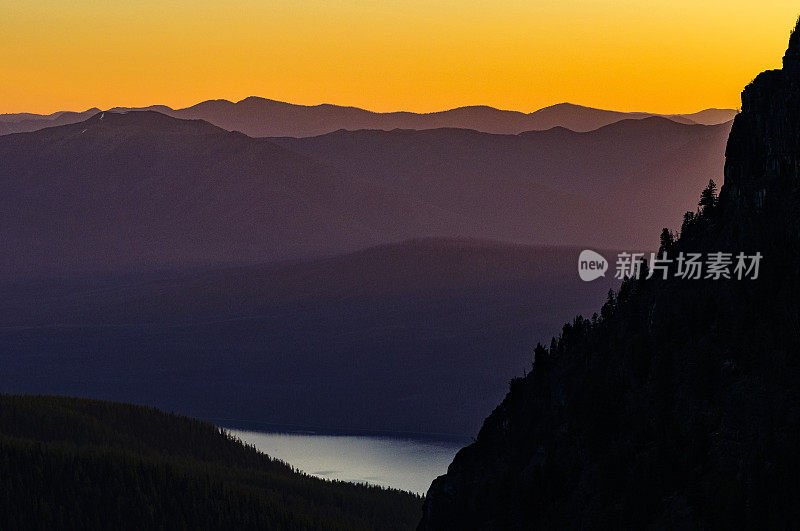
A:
{"x":658,"y":56}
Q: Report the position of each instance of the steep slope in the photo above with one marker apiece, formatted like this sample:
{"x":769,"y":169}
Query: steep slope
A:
{"x":263,"y":117}
{"x":679,"y":408}
{"x":68,"y":463}
{"x":629,"y":176}
{"x":394,"y":338}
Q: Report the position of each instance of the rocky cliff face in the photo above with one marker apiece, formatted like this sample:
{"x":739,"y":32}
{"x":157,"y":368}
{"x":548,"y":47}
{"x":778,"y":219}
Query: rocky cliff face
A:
{"x":762,"y":167}
{"x":679,"y":405}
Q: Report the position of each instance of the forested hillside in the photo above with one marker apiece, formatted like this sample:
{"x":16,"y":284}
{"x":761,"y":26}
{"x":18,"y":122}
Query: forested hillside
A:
{"x":68,"y":463}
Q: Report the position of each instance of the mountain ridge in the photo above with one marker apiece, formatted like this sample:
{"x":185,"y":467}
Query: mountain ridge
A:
{"x":262,"y":117}
{"x":145,"y":190}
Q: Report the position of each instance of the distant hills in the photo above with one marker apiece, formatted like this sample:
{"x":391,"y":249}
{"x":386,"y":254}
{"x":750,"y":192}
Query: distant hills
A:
{"x":375,"y":280}
{"x":27,"y":122}
{"x":142,"y":190}
{"x":613,"y":187}
{"x":260,"y":117}
{"x":418,"y":337}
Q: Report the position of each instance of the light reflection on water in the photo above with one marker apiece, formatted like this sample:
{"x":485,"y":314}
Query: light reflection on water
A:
{"x":399,"y":463}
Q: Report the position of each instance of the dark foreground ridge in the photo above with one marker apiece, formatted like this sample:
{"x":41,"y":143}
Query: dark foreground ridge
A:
{"x":679,"y":406}
{"x":85,"y":464}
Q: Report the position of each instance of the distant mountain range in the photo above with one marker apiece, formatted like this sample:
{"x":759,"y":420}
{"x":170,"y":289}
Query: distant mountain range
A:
{"x":263,"y":117}
{"x":171,"y":262}
{"x":142,"y":191}
{"x":137,"y":190}
{"x":613,"y":187}
{"x":27,"y":122}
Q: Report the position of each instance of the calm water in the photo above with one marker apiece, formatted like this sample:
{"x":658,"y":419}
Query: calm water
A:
{"x":400,"y":463}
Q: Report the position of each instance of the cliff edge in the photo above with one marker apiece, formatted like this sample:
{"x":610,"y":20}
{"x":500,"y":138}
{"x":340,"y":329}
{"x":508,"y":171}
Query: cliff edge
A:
{"x":678,"y":406}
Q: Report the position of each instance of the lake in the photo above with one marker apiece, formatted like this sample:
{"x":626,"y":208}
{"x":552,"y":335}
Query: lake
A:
{"x":404,"y":464}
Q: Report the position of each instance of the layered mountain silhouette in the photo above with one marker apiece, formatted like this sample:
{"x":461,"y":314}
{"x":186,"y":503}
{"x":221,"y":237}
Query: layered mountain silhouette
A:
{"x":141,"y":190}
{"x":678,"y":407}
{"x":27,"y":122}
{"x":417,"y":338}
{"x":263,"y":117}
{"x":612,"y":187}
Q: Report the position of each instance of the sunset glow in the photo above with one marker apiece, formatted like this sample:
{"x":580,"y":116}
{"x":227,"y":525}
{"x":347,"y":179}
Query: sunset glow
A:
{"x":658,"y":56}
